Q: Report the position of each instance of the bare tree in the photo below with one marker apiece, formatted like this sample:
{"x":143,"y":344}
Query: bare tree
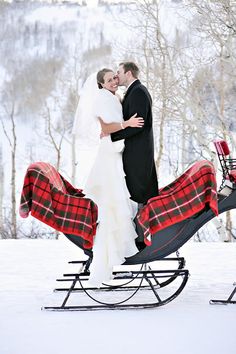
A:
{"x":216,"y":23}
{"x":55,"y":133}
{"x":12,"y":140}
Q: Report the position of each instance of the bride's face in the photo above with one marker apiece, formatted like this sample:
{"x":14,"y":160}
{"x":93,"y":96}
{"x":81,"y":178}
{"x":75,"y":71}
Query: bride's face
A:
{"x":110,"y":82}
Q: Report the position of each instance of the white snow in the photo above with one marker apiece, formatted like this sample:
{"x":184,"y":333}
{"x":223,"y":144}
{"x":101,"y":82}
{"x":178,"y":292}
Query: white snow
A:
{"x":187,"y":325}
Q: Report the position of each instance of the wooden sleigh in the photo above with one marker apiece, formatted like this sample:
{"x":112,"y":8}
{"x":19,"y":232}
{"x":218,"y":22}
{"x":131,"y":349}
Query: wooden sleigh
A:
{"x":151,"y":278}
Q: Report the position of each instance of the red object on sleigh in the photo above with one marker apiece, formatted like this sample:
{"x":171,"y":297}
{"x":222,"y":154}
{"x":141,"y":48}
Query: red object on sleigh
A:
{"x":181,"y":199}
{"x":50,"y":198}
{"x":228,"y":164}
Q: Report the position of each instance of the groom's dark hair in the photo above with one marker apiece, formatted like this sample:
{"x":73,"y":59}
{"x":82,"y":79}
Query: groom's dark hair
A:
{"x":130,"y":66}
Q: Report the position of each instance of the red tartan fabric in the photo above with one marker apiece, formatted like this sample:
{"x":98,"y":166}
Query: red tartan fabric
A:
{"x":181,"y":199}
{"x":54,"y":201}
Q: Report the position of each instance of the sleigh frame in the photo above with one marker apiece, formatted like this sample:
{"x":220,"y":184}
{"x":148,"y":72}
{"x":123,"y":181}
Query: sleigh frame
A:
{"x":147,"y":278}
{"x":128,"y":285}
{"x":164,"y":284}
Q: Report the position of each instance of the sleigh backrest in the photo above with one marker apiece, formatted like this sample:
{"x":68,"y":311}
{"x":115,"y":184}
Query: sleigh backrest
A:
{"x":228,"y":164}
{"x":222,"y":147}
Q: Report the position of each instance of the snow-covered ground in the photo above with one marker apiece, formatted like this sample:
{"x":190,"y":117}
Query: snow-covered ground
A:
{"x":188,"y":325}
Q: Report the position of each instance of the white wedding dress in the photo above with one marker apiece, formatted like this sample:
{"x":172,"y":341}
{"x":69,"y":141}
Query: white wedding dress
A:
{"x":106,"y":186}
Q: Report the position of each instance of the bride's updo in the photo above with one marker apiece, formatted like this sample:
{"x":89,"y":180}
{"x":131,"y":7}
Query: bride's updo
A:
{"x":100,"y":76}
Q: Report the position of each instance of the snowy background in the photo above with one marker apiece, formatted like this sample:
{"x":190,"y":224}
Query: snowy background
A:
{"x":187,"y":58}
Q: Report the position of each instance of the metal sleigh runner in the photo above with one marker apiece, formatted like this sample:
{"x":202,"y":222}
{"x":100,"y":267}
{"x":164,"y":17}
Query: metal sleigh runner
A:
{"x":164,"y":224}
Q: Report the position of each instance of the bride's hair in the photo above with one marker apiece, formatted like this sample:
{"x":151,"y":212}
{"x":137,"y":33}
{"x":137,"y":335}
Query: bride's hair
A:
{"x":100,"y":76}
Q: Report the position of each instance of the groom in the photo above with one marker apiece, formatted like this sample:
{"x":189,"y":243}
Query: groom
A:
{"x":138,"y":154}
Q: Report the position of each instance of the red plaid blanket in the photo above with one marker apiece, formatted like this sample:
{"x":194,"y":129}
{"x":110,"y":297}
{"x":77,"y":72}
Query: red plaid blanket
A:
{"x":54,"y":201}
{"x":181,"y":199}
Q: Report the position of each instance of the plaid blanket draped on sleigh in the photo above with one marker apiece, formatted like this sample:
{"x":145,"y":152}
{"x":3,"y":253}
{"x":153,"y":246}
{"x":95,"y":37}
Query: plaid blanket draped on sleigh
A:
{"x":54,"y":201}
{"x":186,"y":196}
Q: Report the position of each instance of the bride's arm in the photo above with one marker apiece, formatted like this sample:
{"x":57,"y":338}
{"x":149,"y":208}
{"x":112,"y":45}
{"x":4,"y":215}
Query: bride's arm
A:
{"x":133,"y":122}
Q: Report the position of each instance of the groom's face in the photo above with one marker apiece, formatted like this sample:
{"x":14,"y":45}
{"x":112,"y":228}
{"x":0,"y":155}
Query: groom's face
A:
{"x":122,"y":76}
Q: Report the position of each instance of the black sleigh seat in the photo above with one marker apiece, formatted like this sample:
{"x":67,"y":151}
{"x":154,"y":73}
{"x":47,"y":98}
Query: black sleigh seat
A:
{"x":50,"y":198}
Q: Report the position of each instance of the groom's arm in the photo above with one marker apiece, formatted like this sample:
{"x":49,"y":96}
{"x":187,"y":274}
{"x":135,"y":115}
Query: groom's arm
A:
{"x":139,"y":104}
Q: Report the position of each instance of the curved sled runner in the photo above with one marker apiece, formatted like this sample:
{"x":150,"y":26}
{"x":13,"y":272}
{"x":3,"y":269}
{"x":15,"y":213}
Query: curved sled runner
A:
{"x":226,"y":301}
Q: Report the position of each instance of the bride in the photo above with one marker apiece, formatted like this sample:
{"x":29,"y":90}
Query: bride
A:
{"x":115,"y":236}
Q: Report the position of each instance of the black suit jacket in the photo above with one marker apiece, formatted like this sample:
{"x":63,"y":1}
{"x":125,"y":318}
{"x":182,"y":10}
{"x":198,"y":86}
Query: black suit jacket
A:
{"x":138,"y":155}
